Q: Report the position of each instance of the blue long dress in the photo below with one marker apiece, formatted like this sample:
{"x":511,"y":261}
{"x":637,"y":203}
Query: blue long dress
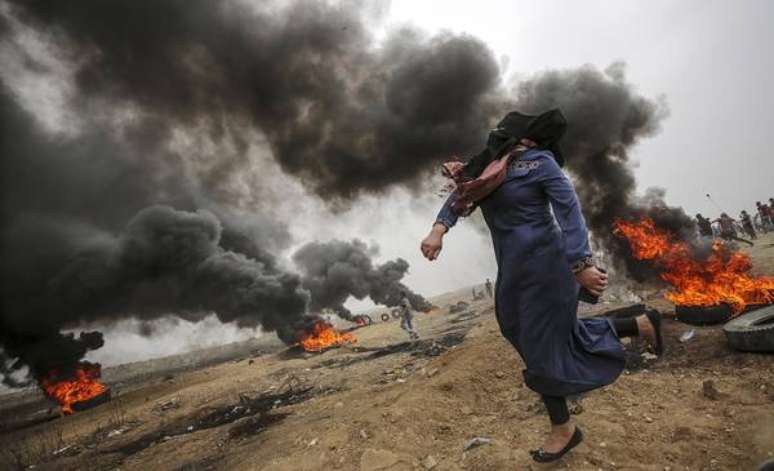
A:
{"x":536,"y":292}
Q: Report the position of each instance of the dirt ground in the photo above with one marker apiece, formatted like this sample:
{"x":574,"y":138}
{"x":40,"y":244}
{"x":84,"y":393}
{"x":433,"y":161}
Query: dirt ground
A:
{"x":390,"y":404}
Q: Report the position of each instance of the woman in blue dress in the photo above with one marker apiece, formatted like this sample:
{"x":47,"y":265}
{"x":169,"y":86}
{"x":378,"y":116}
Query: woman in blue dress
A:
{"x":542,"y":250}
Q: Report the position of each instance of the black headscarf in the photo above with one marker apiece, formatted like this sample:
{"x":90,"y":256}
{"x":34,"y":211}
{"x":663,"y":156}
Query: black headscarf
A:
{"x":545,"y":130}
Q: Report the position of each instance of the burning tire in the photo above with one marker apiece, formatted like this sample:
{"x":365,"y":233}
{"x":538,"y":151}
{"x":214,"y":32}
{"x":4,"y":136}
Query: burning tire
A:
{"x":703,"y":315}
{"x":92,"y":402}
{"x":396,"y":313}
{"x":752,"y":332}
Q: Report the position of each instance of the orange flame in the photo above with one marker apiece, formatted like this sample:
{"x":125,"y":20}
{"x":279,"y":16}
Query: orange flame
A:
{"x":324,"y":336}
{"x":81,"y":387}
{"x":722,"y":277}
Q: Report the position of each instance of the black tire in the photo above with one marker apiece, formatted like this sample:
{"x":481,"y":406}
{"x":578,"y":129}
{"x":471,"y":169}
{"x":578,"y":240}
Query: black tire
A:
{"x":625,"y":312}
{"x":703,"y":315}
{"x":752,"y":332}
{"x":385,"y":317}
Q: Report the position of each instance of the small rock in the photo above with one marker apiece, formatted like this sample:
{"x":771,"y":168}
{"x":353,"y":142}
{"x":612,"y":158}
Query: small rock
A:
{"x":709,"y":391}
{"x":431,"y":372}
{"x":429,"y":462}
{"x":499,"y":375}
{"x":363,"y":434}
{"x":314,"y":442}
{"x":190,"y":428}
{"x":649,"y":419}
{"x":602,"y":444}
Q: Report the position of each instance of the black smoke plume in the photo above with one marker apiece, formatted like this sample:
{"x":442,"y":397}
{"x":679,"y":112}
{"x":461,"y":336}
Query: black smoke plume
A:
{"x":165,"y":261}
{"x":335,"y":270}
{"x":344,"y":116}
{"x":606,"y":118}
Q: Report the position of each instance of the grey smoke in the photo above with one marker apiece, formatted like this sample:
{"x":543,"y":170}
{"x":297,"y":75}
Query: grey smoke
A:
{"x":164,"y":261}
{"x":339,"y":113}
{"x":606,"y":118}
{"x":335,"y":270}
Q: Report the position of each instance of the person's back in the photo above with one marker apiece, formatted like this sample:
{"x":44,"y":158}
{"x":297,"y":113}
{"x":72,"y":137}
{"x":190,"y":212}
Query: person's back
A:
{"x":705,"y":227}
{"x":726,"y":225}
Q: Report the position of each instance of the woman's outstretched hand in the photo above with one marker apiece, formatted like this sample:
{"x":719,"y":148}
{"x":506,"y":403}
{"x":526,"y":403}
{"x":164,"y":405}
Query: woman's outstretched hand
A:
{"x":433,"y":243}
{"x":593,"y":280}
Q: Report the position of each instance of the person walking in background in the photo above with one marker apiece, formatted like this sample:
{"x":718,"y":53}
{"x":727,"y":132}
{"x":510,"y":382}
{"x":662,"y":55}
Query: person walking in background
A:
{"x":764,"y":212}
{"x":728,"y":229}
{"x":704,"y":225}
{"x":488,"y":286}
{"x":747,"y":224}
{"x":407,"y":316}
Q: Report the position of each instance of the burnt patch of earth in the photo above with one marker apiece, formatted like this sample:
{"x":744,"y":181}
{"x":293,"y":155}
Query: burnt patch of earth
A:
{"x":464,"y":317}
{"x":418,"y":349}
{"x":257,"y":411}
{"x":255,"y":425}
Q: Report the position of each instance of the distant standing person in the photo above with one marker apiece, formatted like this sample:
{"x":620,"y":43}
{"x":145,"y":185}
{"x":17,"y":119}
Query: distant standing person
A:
{"x":488,"y":286}
{"x":764,"y":212}
{"x":705,"y":226}
{"x":728,"y":229}
{"x":407,"y":316}
{"x":747,"y":224}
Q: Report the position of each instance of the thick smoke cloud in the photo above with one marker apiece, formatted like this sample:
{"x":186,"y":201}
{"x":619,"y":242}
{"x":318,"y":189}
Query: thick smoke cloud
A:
{"x":335,"y":270}
{"x":339,"y":113}
{"x":606,"y":119}
{"x":164,"y":261}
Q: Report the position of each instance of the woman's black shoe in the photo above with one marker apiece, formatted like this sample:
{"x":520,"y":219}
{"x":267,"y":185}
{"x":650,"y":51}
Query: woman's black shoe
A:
{"x":542,"y":456}
{"x":655,"y":320}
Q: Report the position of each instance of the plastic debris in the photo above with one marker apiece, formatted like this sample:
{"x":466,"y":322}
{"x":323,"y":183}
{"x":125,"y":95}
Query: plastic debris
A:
{"x":476,"y":441}
{"x":687,"y":335}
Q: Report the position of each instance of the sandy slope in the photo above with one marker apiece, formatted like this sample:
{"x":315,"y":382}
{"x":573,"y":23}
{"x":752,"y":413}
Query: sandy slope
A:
{"x":414,"y":409}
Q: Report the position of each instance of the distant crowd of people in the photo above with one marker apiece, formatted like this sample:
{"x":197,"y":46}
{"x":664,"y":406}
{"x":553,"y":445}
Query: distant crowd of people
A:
{"x":728,"y":228}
